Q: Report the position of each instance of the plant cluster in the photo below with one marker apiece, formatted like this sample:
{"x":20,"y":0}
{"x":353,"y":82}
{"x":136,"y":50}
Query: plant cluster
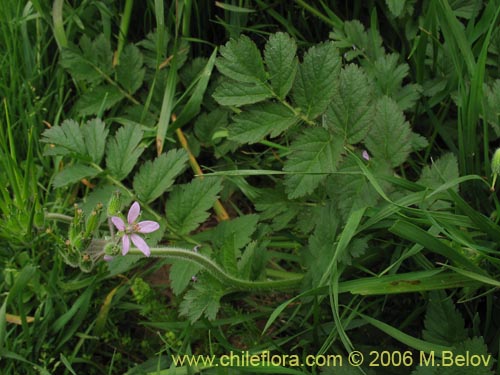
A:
{"x":301,"y":190}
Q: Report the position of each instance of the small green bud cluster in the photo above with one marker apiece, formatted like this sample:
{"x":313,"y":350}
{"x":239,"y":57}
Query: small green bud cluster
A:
{"x":80,"y":234}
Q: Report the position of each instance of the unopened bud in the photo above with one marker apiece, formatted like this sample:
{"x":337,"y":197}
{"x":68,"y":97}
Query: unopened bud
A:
{"x":114,"y":204}
{"x":86,"y":263}
{"x":92,"y":223}
{"x":495,"y":162}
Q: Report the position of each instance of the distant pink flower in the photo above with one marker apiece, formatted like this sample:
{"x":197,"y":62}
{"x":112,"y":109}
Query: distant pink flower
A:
{"x":132,"y":228}
{"x":365,"y":155}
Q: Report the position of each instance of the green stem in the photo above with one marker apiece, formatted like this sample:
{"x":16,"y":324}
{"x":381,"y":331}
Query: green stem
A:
{"x":215,"y":270}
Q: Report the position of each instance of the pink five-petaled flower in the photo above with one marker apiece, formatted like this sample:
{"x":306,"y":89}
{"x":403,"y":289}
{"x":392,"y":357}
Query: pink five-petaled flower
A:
{"x":131,"y":229}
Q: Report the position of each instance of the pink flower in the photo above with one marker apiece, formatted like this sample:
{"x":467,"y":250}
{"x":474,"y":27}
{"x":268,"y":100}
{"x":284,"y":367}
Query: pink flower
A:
{"x":132,"y":228}
{"x":365,"y":155}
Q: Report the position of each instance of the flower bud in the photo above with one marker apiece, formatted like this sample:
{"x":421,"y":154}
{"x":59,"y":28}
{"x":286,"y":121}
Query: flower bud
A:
{"x":495,"y":162}
{"x":86,"y":263}
{"x":93,"y":221}
{"x":114,"y":204}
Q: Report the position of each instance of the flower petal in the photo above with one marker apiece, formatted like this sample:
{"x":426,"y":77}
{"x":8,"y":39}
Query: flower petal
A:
{"x":141,"y":244}
{"x":133,"y":213}
{"x":118,"y":222}
{"x":108,"y":258}
{"x":125,"y":244}
{"x":147,"y":226}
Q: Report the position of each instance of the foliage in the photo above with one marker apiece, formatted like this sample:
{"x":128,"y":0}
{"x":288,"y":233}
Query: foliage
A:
{"x":337,"y":153}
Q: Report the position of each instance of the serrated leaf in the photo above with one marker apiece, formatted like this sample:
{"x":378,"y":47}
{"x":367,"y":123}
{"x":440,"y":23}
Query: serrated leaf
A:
{"x":243,"y":227}
{"x":358,"y":41}
{"x":241,"y":60}
{"x":256,"y":122}
{"x":390,"y":135}
{"x":281,"y":61}
{"x":388,"y":76}
{"x":188,"y":204}
{"x":322,"y":242}
{"x":203,"y":299}
{"x":316,"y":79}
{"x":73,"y":173}
{"x":208,"y":123}
{"x":130,"y":71}
{"x":156,"y":177}
{"x":181,"y":273}
{"x":350,"y":112}
{"x":97,"y":99}
{"x":123,"y":151}
{"x":351,"y":190}
{"x":65,"y":139}
{"x":94,"y":135}
{"x":441,"y":171}
{"x":91,"y":61}
{"x":314,"y":154}
{"x":466,"y":349}
{"x":81,"y":69}
{"x":229,"y":254}
{"x":443,"y":323}
{"x":246,"y":261}
{"x":396,"y":6}
{"x":240,"y":93}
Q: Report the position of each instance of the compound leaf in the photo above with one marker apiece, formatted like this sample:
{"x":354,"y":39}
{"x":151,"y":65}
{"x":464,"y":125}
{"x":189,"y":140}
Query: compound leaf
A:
{"x":203,"y":299}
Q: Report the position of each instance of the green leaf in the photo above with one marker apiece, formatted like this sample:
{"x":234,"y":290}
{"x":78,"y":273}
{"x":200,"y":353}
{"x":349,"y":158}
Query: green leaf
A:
{"x":314,"y":154}
{"x":358,"y":42}
{"x":322,"y":243}
{"x":193,"y":105}
{"x":388,"y":77}
{"x":256,"y":122}
{"x":65,"y":139}
{"x":396,"y":6}
{"x":242,"y":227}
{"x":469,"y":347}
{"x":72,"y":174}
{"x":156,"y":177}
{"x":181,"y":273}
{"x":281,"y":62}
{"x":240,"y":93}
{"x":91,"y":61}
{"x":123,"y":151}
{"x":316,"y":79}
{"x":130,"y":71}
{"x":351,"y":190}
{"x":188,"y":204}
{"x":390,"y":135}
{"x":441,"y":171}
{"x":203,"y":299}
{"x":98,"y":99}
{"x":443,"y":323}
{"x":94,"y":135}
{"x":350,"y":113}
{"x":241,"y":60}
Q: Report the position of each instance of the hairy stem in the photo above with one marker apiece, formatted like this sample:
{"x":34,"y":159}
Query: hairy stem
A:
{"x":215,"y":270}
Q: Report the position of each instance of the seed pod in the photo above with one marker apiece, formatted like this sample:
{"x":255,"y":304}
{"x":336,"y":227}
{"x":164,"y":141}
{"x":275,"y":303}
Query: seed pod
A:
{"x":111,"y":249}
